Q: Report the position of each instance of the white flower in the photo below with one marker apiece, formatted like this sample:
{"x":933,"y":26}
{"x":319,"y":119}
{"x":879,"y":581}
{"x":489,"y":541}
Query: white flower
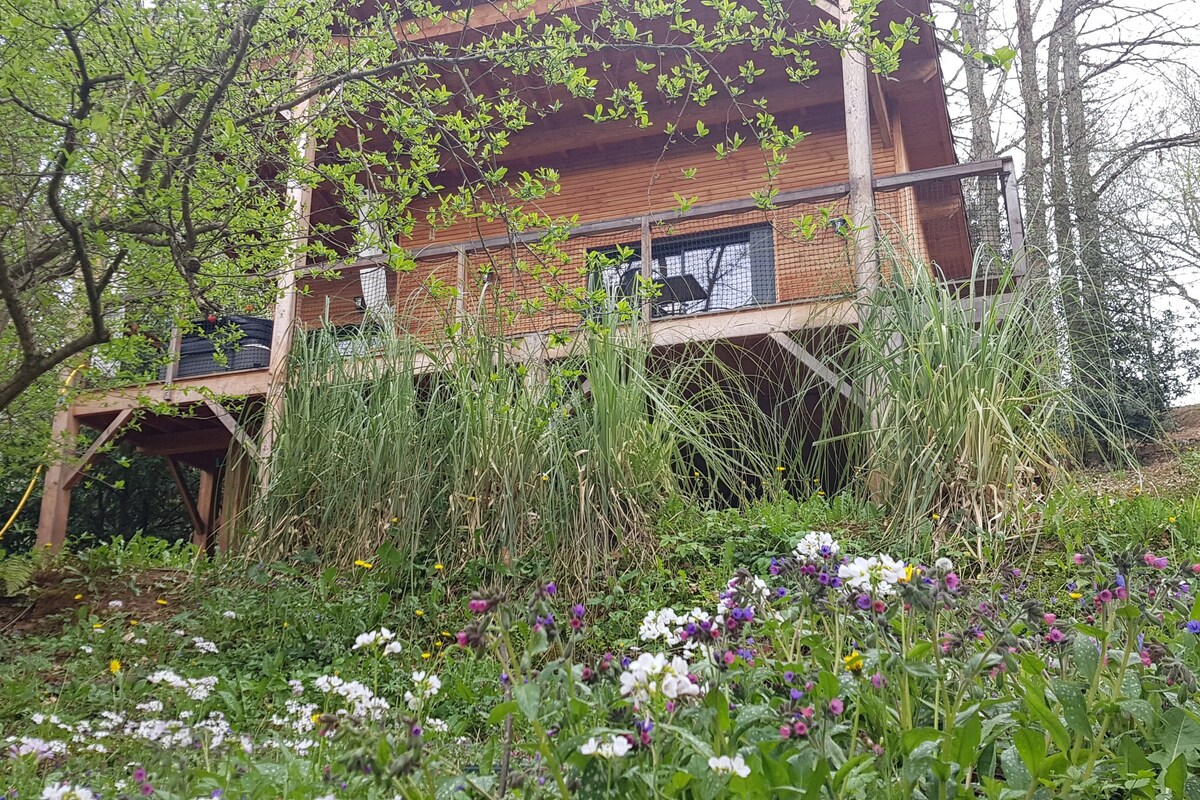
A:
{"x":203,"y":645}
{"x":877,"y":575}
{"x":41,"y":749}
{"x":426,"y":686}
{"x":943,"y":564}
{"x":816,"y":546}
{"x":87,"y":649}
{"x":615,"y":747}
{"x":392,"y":648}
{"x":435,"y":724}
{"x":229,"y":614}
{"x":140,"y":641}
{"x":297,"y":687}
{"x":371,"y":638}
{"x":115,"y":604}
{"x":65,"y":791}
{"x":150,"y":706}
{"x":724,"y":765}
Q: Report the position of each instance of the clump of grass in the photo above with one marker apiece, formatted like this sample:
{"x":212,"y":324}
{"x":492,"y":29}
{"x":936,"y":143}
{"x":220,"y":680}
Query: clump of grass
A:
{"x":964,"y":411}
{"x":462,"y":453}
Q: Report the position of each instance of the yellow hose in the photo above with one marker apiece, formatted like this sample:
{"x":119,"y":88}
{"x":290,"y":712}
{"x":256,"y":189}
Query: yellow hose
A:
{"x":33,"y":481}
{"x":24,"y":499}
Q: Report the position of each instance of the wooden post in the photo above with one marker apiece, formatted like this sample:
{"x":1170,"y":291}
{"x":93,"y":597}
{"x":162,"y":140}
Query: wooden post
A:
{"x":206,"y":507}
{"x":234,"y":485}
{"x":647,"y":257}
{"x":1012,"y":208}
{"x":173,"y":352}
{"x":300,"y":201}
{"x":858,"y":153}
{"x":56,"y":493}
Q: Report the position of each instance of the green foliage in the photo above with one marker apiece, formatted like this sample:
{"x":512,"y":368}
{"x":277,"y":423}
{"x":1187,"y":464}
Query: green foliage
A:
{"x":965,"y":412}
{"x":416,"y":454}
{"x":278,"y":678}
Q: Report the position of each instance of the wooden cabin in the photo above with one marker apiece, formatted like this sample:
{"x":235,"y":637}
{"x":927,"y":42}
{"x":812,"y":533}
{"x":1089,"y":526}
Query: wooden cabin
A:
{"x":876,"y":170}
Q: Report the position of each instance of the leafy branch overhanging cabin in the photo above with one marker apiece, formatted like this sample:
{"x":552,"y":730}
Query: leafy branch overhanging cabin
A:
{"x":704,"y":240}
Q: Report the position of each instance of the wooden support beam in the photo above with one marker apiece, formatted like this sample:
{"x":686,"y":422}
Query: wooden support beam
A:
{"x":56,"y":495}
{"x":1012,"y":207}
{"x":858,"y":152}
{"x":208,"y":440}
{"x":189,"y":505}
{"x":173,"y":350}
{"x":647,"y":261}
{"x":206,"y":510}
{"x":814,"y":364}
{"x":106,"y":436}
{"x":883,"y":120}
{"x":300,"y":200}
{"x":230,"y":424}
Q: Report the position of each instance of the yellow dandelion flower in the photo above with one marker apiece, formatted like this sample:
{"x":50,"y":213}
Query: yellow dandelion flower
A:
{"x":426,"y":655}
{"x":909,"y":571}
{"x":447,"y":634}
{"x":935,"y":517}
{"x":1076,"y":595}
{"x":395,"y":519}
{"x":78,"y":597}
{"x":133,"y":622}
{"x":696,"y":474}
{"x":114,"y":666}
{"x":419,"y":613}
{"x":316,"y":717}
{"x":854,"y":661}
{"x":1171,"y":520}
{"x":285,"y":624}
{"x":161,"y":601}
{"x":545,"y":477}
{"x":820,"y":493}
{"x":439,"y":566}
{"x":363,"y":564}
{"x":437,"y":644}
{"x":98,"y":626}
{"x":780,"y":469}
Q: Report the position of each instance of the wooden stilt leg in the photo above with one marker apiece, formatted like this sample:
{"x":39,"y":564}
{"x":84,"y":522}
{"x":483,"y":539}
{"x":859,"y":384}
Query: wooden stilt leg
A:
{"x":206,"y":503}
{"x":234,"y":487}
{"x":56,"y":493}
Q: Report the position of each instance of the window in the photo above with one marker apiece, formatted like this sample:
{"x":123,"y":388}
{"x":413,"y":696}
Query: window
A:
{"x":716,"y":271}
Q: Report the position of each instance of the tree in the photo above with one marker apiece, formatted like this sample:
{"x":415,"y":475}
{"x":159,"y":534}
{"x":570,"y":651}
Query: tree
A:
{"x":149,"y":147}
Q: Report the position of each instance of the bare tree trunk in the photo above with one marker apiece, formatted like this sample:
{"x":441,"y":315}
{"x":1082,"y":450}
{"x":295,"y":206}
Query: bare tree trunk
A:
{"x":973,"y":20}
{"x":1083,"y":200}
{"x":1037,"y":238}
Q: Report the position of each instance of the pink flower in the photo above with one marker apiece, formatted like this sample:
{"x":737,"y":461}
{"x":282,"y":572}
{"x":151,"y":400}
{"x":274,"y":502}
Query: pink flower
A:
{"x":800,"y":729}
{"x":785,"y":731}
{"x":1122,"y":593}
{"x":836,"y":706}
{"x":878,"y":681}
{"x":729,"y":657}
{"x":807,"y":712}
{"x":1079,"y":559}
{"x":1055,"y":636}
{"x":461,"y":638}
{"x":1049,"y":618}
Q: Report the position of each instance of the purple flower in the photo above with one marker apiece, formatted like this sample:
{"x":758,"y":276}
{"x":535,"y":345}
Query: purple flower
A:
{"x":1055,"y":636}
{"x":795,"y":694}
{"x":951,"y":581}
{"x":139,"y":775}
{"x":781,"y":592}
{"x":878,"y":681}
{"x":823,"y":578}
{"x":863,"y":602}
{"x":1105,"y":596}
{"x":836,"y":706}
{"x":551,"y":588}
{"x":1193,"y":626}
{"x":416,"y":730}
{"x":789,"y":676}
{"x":147,"y":790}
{"x":578,"y":610}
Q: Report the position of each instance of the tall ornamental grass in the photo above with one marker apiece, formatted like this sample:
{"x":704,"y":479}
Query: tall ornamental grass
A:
{"x":964,"y":412}
{"x":463,"y":454}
